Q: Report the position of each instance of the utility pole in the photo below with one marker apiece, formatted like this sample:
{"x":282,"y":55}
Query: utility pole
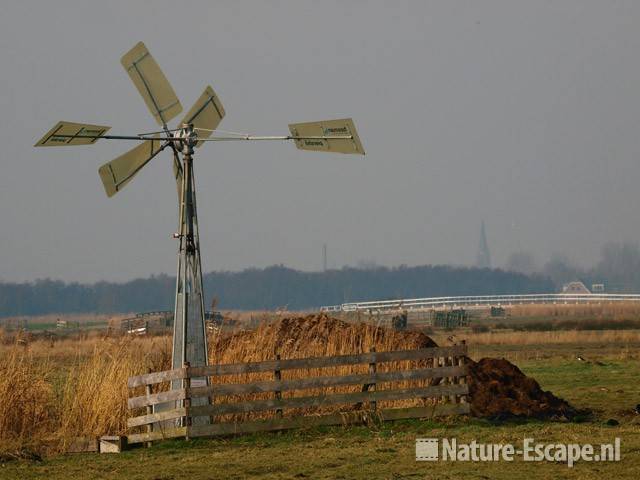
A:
{"x":324,"y":257}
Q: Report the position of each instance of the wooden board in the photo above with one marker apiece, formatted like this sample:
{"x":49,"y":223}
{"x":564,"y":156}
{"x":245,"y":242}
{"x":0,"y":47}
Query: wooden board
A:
{"x":157,"y":377}
{"x":327,"y":400}
{"x":159,"y":434}
{"x":323,"y":362}
{"x":156,"y":417}
{"x":156,"y":398}
{"x":332,"y":419}
{"x":297,"y":363}
{"x":328,"y":381}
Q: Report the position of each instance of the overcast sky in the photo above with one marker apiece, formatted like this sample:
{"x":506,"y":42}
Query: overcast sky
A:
{"x":524,"y":114}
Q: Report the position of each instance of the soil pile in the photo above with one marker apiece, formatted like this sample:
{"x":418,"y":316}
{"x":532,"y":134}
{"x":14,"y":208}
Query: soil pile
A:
{"x":499,"y":389}
{"x":311,"y":336}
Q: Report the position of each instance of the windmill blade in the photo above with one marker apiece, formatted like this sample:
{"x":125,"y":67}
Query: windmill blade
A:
{"x":118,"y":172}
{"x":317,"y":136}
{"x":65,"y":134}
{"x":154,"y":87}
{"x":206,"y":114}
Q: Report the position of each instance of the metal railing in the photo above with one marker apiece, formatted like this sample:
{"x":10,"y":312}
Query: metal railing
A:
{"x":481,"y":301}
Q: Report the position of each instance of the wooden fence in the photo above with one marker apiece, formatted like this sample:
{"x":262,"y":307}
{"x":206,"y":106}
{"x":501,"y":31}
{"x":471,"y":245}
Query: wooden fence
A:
{"x":196,"y":410}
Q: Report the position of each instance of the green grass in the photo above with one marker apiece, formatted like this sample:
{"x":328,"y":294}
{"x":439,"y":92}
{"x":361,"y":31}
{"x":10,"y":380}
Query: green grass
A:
{"x":388,"y":451}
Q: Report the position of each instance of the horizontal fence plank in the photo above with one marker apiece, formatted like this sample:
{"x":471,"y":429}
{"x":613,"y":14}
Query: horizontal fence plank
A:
{"x":156,"y":417}
{"x":331,"y":419}
{"x":156,"y":398}
{"x":437,"y":410}
{"x":326,"y":400}
{"x":159,"y":434}
{"x":157,"y":377}
{"x":323,"y":362}
{"x":322,"y":382}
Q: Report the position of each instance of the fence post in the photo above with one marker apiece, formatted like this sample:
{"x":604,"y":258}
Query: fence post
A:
{"x":372,"y":386}
{"x":147,"y":391}
{"x":445,"y":380}
{"x":451,"y":361}
{"x":462,"y":379}
{"x":277,"y":375}
{"x":187,"y":400}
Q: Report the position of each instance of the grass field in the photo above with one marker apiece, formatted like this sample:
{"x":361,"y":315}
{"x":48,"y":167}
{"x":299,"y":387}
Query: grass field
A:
{"x":606,"y":383}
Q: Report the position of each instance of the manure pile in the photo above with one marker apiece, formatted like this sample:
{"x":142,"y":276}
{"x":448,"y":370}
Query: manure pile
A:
{"x":497,"y":388}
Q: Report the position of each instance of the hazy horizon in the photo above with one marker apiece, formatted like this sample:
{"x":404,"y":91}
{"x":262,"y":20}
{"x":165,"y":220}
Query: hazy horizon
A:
{"x":521,"y":114}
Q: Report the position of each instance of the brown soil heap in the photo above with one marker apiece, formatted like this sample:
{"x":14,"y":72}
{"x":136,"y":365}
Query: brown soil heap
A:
{"x":497,"y":388}
{"x":311,"y":336}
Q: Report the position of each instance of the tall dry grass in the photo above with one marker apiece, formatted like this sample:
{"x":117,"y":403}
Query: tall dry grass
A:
{"x":46,"y":403}
{"x":606,"y":310}
{"x":27,"y":398}
{"x":93,"y":399}
{"x":502,"y":337}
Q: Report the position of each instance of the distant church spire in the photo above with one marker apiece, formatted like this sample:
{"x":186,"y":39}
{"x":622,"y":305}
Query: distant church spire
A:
{"x":484,"y":257}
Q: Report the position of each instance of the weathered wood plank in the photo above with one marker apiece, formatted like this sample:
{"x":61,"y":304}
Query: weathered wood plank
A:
{"x":156,"y":398}
{"x":297,"y":384}
{"x":159,"y":434}
{"x":437,"y":410}
{"x":318,"y":382}
{"x":157,"y":377}
{"x":297,"y":363}
{"x":332,"y":419}
{"x":323,"y":362}
{"x":326,"y":400}
{"x":156,"y":417}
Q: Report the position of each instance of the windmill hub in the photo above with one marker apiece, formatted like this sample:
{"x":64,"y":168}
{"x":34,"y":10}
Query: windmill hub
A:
{"x":188,"y":139}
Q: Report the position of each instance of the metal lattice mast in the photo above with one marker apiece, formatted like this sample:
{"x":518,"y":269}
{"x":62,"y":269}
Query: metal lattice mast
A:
{"x":189,"y":332}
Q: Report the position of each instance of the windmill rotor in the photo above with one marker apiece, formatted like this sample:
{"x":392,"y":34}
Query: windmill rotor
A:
{"x":197,"y":127}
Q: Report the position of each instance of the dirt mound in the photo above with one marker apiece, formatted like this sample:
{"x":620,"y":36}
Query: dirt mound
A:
{"x":311,"y":336}
{"x":499,"y":389}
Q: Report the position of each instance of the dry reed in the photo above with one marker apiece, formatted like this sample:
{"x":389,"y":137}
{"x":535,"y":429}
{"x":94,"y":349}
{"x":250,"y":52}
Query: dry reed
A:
{"x":26,"y":398}
{"x":506,"y":337}
{"x":606,"y":310}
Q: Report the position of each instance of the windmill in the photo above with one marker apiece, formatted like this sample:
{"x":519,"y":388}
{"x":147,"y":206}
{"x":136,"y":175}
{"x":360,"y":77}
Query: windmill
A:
{"x":197,"y":127}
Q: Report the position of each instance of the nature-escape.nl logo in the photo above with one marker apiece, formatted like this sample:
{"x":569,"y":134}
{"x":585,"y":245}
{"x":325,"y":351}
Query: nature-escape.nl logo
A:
{"x":430,"y":450}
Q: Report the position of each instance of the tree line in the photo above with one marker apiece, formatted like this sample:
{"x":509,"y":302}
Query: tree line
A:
{"x":268,"y":288}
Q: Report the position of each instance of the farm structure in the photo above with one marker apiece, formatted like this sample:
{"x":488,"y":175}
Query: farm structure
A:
{"x":159,"y":322}
{"x":403,"y":319}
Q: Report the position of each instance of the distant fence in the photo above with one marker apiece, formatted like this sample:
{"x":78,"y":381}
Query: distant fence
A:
{"x":161,"y":321}
{"x":196,"y":411}
{"x":480,"y":301}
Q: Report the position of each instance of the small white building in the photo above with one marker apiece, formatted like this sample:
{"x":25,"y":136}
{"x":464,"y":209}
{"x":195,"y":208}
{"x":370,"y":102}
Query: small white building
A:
{"x":575,"y":287}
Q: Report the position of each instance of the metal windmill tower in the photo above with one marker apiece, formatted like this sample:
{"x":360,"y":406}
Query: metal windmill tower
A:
{"x":197,"y":127}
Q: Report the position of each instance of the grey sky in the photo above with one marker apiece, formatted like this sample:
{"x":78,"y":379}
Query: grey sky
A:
{"x":526,"y":114}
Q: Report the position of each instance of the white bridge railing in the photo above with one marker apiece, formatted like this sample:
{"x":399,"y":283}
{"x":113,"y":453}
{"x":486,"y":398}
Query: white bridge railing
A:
{"x":481,"y":301}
